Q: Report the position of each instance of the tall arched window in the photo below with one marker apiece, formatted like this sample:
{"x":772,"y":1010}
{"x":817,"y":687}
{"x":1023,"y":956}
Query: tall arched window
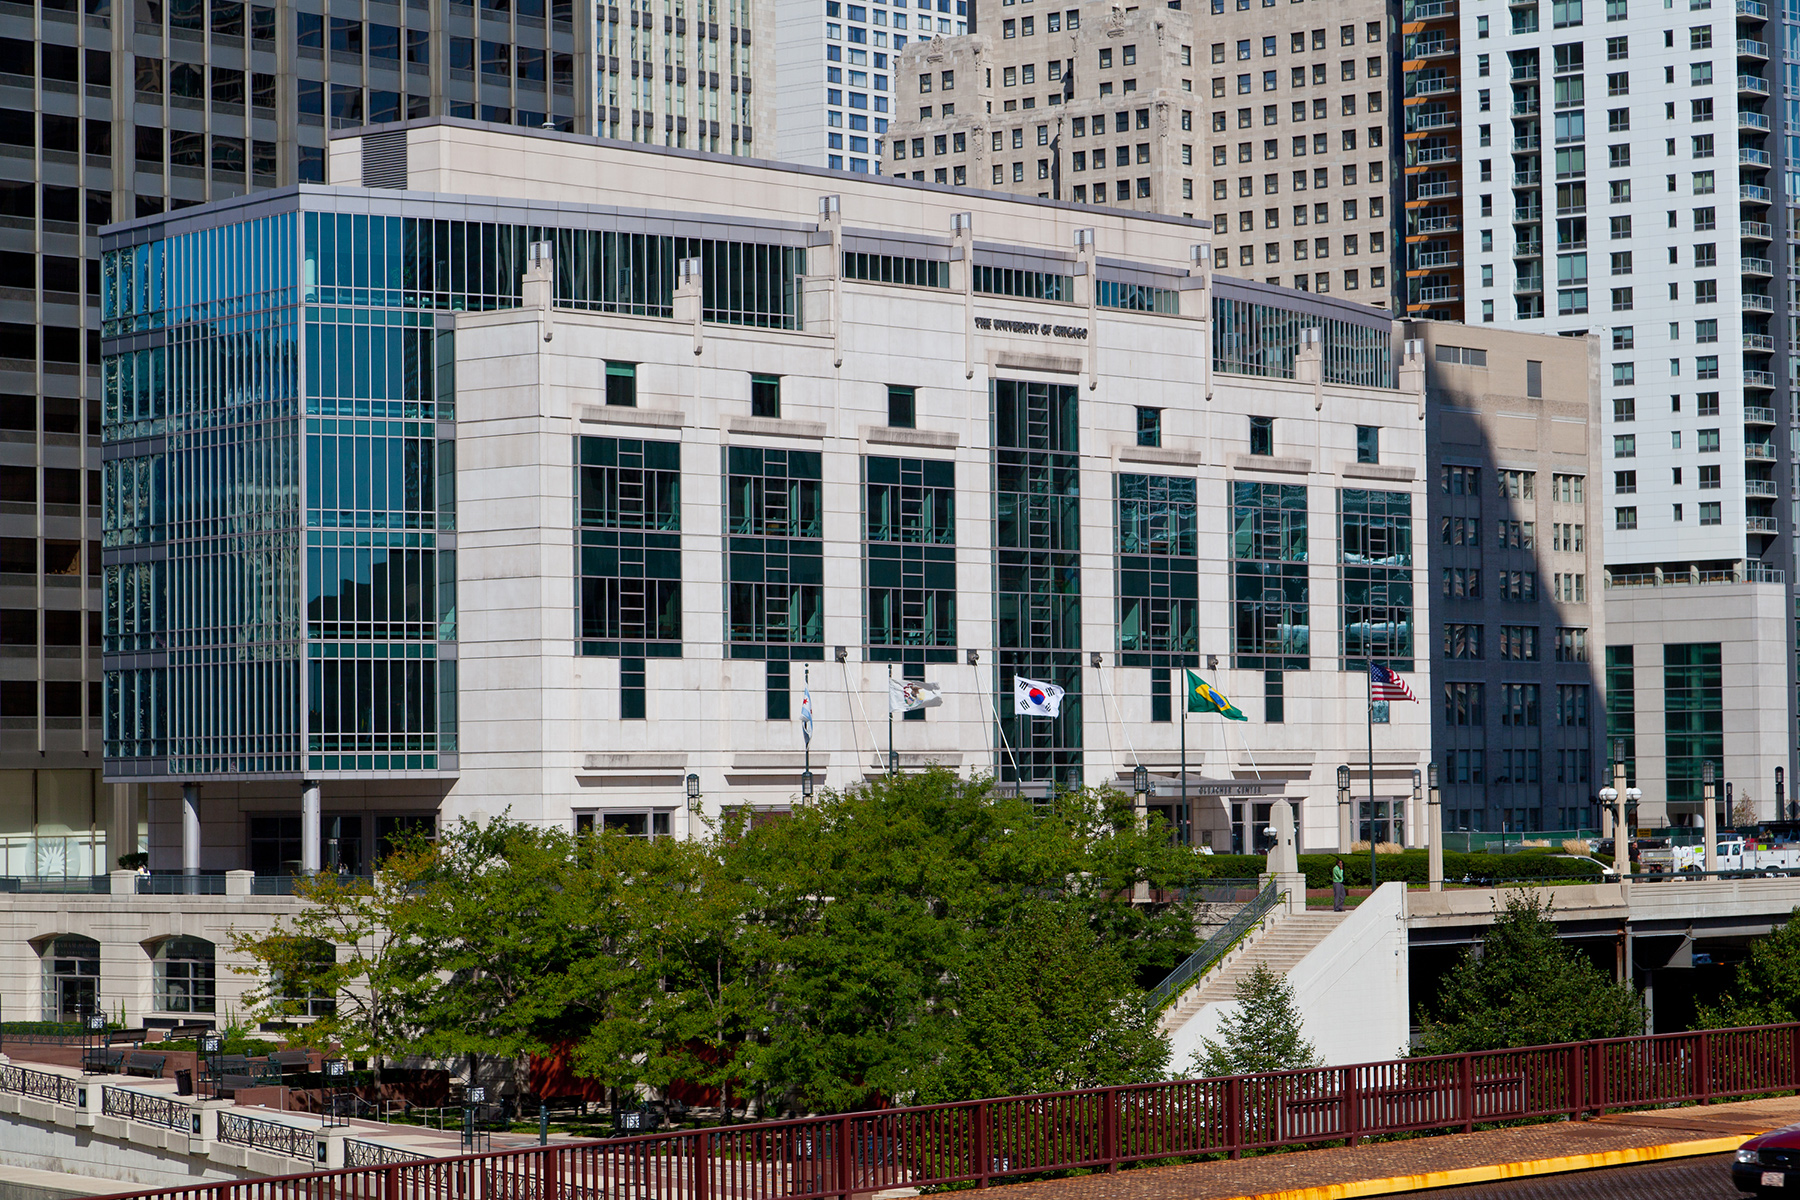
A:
{"x":71,"y":977}
{"x":185,"y":980}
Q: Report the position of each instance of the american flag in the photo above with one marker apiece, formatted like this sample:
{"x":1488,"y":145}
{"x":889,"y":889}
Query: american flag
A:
{"x":1385,"y":685}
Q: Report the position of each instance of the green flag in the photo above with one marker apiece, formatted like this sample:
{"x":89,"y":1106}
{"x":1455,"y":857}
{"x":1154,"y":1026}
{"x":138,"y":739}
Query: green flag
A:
{"x":1202,"y":698}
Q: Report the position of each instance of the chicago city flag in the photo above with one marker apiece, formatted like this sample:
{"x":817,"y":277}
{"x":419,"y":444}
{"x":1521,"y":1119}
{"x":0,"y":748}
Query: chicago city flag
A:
{"x":1201,"y":698}
{"x":904,"y":695}
{"x":1035,"y":698}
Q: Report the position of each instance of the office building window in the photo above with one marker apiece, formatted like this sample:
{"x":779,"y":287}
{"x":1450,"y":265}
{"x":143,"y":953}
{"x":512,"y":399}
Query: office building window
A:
{"x":1270,"y":594}
{"x":630,"y":547}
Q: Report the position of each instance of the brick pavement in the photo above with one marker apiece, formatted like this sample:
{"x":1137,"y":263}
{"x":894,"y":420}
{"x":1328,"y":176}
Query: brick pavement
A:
{"x":1417,"y":1163}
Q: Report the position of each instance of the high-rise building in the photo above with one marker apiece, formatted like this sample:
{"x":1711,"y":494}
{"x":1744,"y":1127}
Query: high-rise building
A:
{"x":834,"y":74}
{"x":694,"y":74}
{"x":1518,"y":723}
{"x":1273,"y":121}
{"x":577,"y":546}
{"x":1620,"y":179}
{"x":1431,"y":129}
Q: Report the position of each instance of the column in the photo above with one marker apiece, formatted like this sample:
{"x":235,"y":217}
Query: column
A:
{"x":1434,"y":832}
{"x":309,"y":827}
{"x":190,"y":829}
{"x":122,"y":831}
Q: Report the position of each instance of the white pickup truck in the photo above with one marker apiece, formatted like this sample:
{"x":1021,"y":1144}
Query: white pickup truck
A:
{"x":1737,"y":855}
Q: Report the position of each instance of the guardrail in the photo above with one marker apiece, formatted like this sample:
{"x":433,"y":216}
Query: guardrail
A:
{"x":166,"y":1111}
{"x":1214,"y":948}
{"x":368,"y":1154}
{"x":983,"y":1140}
{"x":291,"y":1140}
{"x":40,"y":1085}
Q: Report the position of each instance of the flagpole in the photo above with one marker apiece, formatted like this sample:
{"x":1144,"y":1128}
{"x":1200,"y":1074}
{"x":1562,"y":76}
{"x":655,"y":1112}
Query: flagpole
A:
{"x":890,"y":762}
{"x":1184,"y":821}
{"x":806,"y":727}
{"x":1369,"y":683}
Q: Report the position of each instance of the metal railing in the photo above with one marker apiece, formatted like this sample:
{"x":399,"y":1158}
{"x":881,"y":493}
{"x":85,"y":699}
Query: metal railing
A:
{"x":1099,"y":1128}
{"x":1214,"y":948}
{"x":291,"y":1140}
{"x":1753,"y":83}
{"x":40,"y":1085}
{"x":77,"y":885}
{"x":368,"y":1154}
{"x":148,"y":1108}
{"x":181,"y":884}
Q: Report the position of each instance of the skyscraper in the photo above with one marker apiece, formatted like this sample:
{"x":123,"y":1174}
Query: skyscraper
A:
{"x":1622,"y":178}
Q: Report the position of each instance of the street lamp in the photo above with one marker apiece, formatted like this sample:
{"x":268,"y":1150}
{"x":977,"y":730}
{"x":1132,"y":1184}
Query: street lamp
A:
{"x":1344,"y":822}
{"x":806,"y":785}
{"x":1140,"y":782}
{"x":1418,"y":785}
{"x":693,"y":786}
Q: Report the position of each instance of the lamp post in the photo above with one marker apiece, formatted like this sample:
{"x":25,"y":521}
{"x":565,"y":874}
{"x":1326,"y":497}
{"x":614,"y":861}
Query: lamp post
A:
{"x":806,"y":784}
{"x":693,"y":787}
{"x":1434,"y":831}
{"x":1418,"y":778}
{"x":1781,"y":793}
{"x":1344,"y":839}
{"x":1709,"y":819}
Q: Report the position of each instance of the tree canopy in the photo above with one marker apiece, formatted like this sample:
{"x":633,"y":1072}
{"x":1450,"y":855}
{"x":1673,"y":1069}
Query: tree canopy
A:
{"x":1262,"y":1035}
{"x":1521,"y":986}
{"x":917,"y":938}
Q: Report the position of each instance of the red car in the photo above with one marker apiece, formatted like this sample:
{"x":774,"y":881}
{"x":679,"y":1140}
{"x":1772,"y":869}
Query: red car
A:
{"x":1769,"y":1164}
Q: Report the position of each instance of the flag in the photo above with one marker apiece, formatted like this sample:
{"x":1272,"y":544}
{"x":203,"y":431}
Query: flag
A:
{"x":806,"y":715}
{"x":905,"y":695}
{"x":1202,"y":698}
{"x":1035,"y":698}
{"x":1385,"y":685}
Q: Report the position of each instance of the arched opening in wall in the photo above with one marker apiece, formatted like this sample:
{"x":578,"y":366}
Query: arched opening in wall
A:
{"x":184,"y":975}
{"x":71,"y":977}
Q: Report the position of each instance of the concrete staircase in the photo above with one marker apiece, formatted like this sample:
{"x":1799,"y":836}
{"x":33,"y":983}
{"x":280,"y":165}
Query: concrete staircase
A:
{"x":1283,"y":940}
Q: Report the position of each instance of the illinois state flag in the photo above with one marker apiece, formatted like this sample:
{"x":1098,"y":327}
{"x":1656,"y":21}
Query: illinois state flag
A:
{"x":905,"y":695}
{"x":1035,"y":698}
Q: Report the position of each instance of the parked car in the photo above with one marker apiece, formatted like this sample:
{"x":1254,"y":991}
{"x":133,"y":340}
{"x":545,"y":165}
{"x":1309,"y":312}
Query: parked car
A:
{"x":1769,"y":1165}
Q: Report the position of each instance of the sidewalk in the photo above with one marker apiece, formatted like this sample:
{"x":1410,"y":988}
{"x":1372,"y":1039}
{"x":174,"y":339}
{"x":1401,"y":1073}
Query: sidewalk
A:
{"x":1385,"y":1168}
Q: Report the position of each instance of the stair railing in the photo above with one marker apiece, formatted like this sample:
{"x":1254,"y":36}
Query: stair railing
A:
{"x":1214,"y":948}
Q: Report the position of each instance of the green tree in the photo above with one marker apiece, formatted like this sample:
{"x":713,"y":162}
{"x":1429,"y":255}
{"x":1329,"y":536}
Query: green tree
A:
{"x":1262,"y":1035}
{"x":1766,"y":989}
{"x":1046,"y":1006}
{"x":1521,"y":986}
{"x":330,"y":964}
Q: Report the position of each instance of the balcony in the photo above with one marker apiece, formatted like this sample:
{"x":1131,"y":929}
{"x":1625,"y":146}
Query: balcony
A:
{"x":1427,"y":225}
{"x":1436,"y":191}
{"x":1527,"y":285}
{"x":1533,"y":248}
{"x":1528,"y":213}
{"x":1525,"y":108}
{"x":1432,"y":295}
{"x":1436,"y":48}
{"x":1755,"y":302}
{"x":1524,"y":71}
{"x":1755,"y":193}
{"x":1754,"y":121}
{"x":1758,"y":487}
{"x":1434,"y":155}
{"x":1529,"y":142}
{"x":1759,"y":341}
{"x":1760,"y":379}
{"x":1753,"y":158}
{"x":1757,"y":414}
{"x":1756,"y":10}
{"x":1431,"y":87}
{"x":1757,"y":266}
{"x":1759,"y":451}
{"x":1527,"y":178}
{"x":1761,"y":525}
{"x":1439,"y":259}
{"x":1751,"y":48}
{"x":1752,"y":85}
{"x":1419,"y":122}
{"x":1431,"y":10}
{"x":1758,"y":230}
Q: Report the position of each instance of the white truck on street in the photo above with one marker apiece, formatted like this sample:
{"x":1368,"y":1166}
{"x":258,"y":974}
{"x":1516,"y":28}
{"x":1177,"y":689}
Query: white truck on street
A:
{"x":1735,"y":854}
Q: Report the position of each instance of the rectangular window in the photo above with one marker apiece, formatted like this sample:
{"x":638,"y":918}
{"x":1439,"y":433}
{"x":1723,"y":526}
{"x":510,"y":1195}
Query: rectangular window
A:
{"x":1463,"y":705}
{"x":1270,"y":586}
{"x":1262,"y":435}
{"x":902,"y":407}
{"x":909,"y":534}
{"x":1149,"y":426}
{"x":1694,"y":718}
{"x":1519,"y":643}
{"x":1368,"y":443}
{"x":1157,"y":547}
{"x":774,"y":557}
{"x":1462,"y":641}
{"x":1519,"y":705}
{"x":1375,"y":548}
{"x":630,"y":548}
{"x":765,"y":395}
{"x":621,"y":384}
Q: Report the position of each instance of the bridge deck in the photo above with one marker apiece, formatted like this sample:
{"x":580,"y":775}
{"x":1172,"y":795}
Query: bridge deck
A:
{"x":1429,"y":1162}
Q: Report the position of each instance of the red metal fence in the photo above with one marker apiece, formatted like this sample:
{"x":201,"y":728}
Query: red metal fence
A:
{"x":983,"y":1140}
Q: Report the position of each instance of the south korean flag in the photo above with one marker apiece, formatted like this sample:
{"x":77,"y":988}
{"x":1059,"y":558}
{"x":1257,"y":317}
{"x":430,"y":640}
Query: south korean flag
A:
{"x":1035,"y":698}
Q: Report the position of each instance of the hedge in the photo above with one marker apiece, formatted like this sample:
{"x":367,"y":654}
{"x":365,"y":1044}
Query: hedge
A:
{"x":1413,"y":866}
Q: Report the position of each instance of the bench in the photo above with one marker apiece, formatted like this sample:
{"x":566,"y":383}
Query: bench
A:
{"x":291,"y":1062}
{"x":150,"y":1066}
{"x":97,"y":1060}
{"x":183,"y":1033}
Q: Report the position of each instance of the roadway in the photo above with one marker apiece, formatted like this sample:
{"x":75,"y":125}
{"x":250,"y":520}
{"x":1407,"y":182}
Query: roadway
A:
{"x":1707,"y":1178}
